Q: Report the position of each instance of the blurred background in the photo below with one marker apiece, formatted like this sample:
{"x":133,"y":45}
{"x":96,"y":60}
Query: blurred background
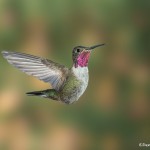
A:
{"x":113,"y":113}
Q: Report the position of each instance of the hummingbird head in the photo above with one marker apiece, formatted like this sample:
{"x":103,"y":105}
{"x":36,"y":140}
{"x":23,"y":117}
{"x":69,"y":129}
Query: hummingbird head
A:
{"x":81,"y":55}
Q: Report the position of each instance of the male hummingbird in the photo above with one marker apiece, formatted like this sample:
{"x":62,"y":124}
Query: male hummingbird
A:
{"x":67,"y":84}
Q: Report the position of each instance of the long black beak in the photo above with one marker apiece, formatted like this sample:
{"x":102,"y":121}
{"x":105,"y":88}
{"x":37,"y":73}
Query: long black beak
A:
{"x":92,"y":47}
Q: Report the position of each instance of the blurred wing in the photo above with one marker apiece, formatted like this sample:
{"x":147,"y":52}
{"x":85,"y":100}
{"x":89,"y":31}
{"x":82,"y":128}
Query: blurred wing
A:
{"x":44,"y":69}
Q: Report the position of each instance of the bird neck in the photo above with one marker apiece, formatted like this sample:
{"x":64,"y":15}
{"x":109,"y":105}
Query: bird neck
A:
{"x":80,"y":72}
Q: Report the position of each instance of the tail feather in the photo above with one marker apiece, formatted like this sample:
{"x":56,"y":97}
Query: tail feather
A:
{"x":36,"y":93}
{"x":50,"y":93}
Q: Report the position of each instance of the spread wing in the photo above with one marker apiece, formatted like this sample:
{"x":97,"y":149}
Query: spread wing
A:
{"x":44,"y":69}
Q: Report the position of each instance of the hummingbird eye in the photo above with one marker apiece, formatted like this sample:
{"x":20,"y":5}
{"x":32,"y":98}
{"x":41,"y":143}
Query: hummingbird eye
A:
{"x":78,"y":50}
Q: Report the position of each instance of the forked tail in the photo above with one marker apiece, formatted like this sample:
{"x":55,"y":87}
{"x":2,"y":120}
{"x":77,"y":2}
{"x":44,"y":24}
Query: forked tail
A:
{"x":49,"y":93}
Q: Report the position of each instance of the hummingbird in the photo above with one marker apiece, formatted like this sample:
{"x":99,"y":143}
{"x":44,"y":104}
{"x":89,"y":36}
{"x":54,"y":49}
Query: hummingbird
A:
{"x":67,"y":84}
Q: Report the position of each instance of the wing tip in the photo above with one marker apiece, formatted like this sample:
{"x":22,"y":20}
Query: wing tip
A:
{"x":5,"y":53}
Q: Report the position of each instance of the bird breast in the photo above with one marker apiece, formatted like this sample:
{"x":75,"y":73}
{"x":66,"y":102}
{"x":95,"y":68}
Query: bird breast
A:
{"x":75,"y":85}
{"x":81,"y":73}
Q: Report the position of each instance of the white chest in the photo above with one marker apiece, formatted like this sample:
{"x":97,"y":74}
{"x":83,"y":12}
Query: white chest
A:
{"x":82,"y":74}
{"x":72,"y":92}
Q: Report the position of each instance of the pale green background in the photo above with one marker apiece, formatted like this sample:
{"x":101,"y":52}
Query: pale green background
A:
{"x":113,"y":113}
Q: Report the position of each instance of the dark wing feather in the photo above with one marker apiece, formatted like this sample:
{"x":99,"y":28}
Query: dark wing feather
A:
{"x":44,"y":69}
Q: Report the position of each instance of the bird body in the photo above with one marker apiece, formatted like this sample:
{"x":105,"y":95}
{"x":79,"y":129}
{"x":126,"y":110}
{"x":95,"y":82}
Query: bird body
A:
{"x":72,"y":88}
{"x":75,"y":85}
{"x":68,"y":84}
